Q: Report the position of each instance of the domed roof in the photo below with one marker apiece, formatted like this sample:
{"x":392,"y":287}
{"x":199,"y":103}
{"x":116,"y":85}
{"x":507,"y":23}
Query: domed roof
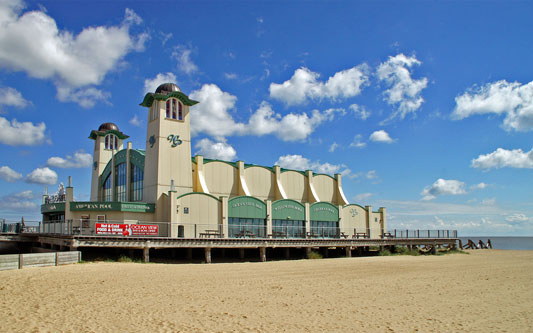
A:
{"x":167,"y":88}
{"x":108,"y":127}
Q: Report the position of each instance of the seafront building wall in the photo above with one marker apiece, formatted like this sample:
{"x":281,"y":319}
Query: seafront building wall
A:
{"x":188,"y":196}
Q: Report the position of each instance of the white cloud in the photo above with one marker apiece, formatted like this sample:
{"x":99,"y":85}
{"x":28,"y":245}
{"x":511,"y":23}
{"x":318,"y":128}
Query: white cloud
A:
{"x":513,"y":100}
{"x":381,"y":136}
{"x":518,"y":217}
{"x":372,"y":174}
{"x":304,"y":85}
{"x":19,"y":202}
{"x":182,"y":54}
{"x":230,"y":76}
{"x":12,"y":97}
{"x":85,"y":97}
{"x":212,"y":117}
{"x":360,"y":111}
{"x":21,"y":134}
{"x":502,"y":158}
{"x":135,"y":121}
{"x":298,"y":162}
{"x":9,"y":175}
{"x":150,"y":85}
{"x":80,"y":159}
{"x":443,"y":187}
{"x":216,"y":150}
{"x":488,"y":202}
{"x":480,"y":186}
{"x":404,"y":91}
{"x":32,"y":42}
{"x":44,"y":176}
{"x":357,"y":143}
{"x":362,"y":196}
{"x":333,"y":146}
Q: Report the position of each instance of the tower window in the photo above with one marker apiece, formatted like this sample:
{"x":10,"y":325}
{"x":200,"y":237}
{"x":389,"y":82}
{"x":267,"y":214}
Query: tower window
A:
{"x":174,"y":109}
{"x":111,"y":141}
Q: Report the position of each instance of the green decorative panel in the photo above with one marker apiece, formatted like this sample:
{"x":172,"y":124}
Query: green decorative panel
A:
{"x":324,"y":211}
{"x":120,"y":157}
{"x":247,"y":207}
{"x":112,"y":206}
{"x":288,"y":210}
{"x":137,"y":158}
{"x":53,"y":207}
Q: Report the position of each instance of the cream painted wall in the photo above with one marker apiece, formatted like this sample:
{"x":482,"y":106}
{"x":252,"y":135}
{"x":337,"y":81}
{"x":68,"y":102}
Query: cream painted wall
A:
{"x":261,"y":182}
{"x":326,"y":188}
{"x":221,"y":179}
{"x":203,"y":210}
{"x":294,"y":185}
{"x":353,"y":216}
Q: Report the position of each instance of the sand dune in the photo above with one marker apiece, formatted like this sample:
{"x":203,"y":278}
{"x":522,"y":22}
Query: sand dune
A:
{"x":488,"y":290}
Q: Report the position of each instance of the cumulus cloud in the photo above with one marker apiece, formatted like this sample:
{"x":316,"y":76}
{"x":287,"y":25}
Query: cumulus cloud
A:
{"x":304,"y":85}
{"x":85,"y":97}
{"x":135,"y":121}
{"x":150,"y":85}
{"x":44,"y":176}
{"x":15,"y":133}
{"x":511,"y":99}
{"x":480,"y":186}
{"x":333,"y":146}
{"x":518,"y":218}
{"x":403,"y":91}
{"x":9,"y":175}
{"x":381,"y":136}
{"x":298,"y":162}
{"x":19,"y":202}
{"x":216,"y":150}
{"x":357,"y":143}
{"x":501,"y":158}
{"x":32,"y":42}
{"x":360,"y":111}
{"x":80,"y":159}
{"x":12,"y":97}
{"x":443,"y":187}
{"x":212,"y":116}
{"x":182,"y":54}
{"x":230,"y":76}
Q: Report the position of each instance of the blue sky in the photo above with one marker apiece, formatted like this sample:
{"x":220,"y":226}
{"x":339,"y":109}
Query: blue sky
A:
{"x":425,"y":108}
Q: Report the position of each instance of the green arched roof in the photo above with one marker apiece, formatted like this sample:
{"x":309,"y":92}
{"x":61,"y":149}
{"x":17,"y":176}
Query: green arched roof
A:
{"x":150,"y":97}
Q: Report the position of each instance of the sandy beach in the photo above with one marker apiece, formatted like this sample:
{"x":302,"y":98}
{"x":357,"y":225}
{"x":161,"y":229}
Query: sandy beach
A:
{"x":487,"y":290}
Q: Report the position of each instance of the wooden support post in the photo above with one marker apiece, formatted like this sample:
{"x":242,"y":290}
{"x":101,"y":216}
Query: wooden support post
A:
{"x":146,"y":254}
{"x":189,"y":254}
{"x":262,"y":254}
{"x":287,"y":252}
{"x":241,"y":254}
{"x":348,"y":251}
{"x":325,"y":252}
{"x":359,"y":251}
{"x":207,"y":255}
{"x":308,"y":251}
{"x":410,"y":247}
{"x":460,"y":244}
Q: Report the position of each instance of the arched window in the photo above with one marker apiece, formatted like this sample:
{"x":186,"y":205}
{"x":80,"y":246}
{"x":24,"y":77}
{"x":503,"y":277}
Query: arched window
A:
{"x":168,"y":108}
{"x":107,"y":193}
{"x":111,"y":141}
{"x":174,"y":109}
{"x":120,"y":182}
{"x":136,"y":183}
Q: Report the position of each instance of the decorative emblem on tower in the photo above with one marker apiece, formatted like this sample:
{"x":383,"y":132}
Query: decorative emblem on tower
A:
{"x":174,"y":140}
{"x":151,"y":141}
{"x":354,"y":212}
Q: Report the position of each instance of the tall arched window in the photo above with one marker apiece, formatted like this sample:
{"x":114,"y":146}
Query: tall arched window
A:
{"x":111,"y":141}
{"x":107,"y":193}
{"x":136,"y":183}
{"x":120,"y":182}
{"x":174,"y":109}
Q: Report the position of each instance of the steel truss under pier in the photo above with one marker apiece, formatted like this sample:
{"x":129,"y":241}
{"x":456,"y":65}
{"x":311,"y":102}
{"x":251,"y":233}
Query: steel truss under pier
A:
{"x":73,"y":242}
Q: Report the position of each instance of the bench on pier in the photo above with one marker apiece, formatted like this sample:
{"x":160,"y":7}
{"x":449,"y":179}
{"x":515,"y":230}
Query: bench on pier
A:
{"x":387,"y":235}
{"x":245,"y":234}
{"x":211,"y":233}
{"x":277,"y":234}
{"x":358,"y":235}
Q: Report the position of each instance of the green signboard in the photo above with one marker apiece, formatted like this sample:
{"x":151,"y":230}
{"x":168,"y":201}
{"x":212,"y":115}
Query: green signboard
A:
{"x":53,"y":207}
{"x":288,"y":210}
{"x":139,"y":207}
{"x":247,"y":207}
{"x":324,"y":211}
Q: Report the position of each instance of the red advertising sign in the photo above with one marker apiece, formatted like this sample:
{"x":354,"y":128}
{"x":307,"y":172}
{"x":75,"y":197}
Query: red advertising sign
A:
{"x":127,"y":229}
